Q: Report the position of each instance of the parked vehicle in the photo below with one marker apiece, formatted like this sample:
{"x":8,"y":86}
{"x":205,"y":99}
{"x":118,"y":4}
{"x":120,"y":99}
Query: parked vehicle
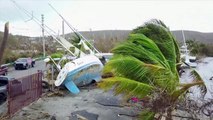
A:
{"x":3,"y":87}
{"x":24,"y":63}
{"x":3,"y":70}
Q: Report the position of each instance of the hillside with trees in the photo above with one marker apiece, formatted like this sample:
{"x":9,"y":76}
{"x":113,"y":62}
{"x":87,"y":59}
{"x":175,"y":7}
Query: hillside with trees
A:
{"x":104,"y":40}
{"x":24,"y":46}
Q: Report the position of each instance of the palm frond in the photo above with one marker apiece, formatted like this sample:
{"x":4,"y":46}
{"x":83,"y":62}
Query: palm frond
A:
{"x":197,"y":81}
{"x":195,"y":75}
{"x":197,"y":78}
{"x":177,"y":49}
{"x":148,"y":45}
{"x":132,"y":68}
{"x":146,"y":115}
{"x":142,"y":48}
{"x":184,"y":88}
{"x":160,"y":34}
{"x":126,"y":87}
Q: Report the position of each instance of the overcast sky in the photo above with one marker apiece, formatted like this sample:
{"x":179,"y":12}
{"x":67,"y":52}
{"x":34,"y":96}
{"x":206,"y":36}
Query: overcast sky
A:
{"x":86,"y":15}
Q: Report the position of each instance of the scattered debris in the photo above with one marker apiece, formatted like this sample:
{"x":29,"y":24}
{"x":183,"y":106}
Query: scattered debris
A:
{"x":132,"y":114}
{"x":107,"y":75}
{"x":65,"y":108}
{"x":109,"y":101}
{"x":53,"y":117}
{"x":83,"y":115}
{"x":44,"y":115}
{"x":56,"y":93}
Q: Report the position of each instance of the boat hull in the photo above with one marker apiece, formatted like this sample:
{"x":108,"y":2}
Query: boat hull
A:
{"x":80,"y":72}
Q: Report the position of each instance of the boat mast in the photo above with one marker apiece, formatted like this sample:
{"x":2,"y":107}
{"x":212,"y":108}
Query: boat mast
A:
{"x":79,"y":35}
{"x":184,"y":42}
{"x":186,"y":51}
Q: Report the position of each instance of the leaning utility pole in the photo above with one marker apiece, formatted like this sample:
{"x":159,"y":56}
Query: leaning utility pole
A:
{"x":42,"y":24}
{"x":63,"y":29}
{"x":4,"y":42}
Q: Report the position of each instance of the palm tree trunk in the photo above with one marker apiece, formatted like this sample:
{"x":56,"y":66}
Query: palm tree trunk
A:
{"x":3,"y":44}
{"x":169,"y":114}
{"x":184,"y":88}
{"x":188,"y":85}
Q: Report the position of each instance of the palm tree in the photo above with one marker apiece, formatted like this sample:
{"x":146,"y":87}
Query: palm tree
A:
{"x":145,"y":66}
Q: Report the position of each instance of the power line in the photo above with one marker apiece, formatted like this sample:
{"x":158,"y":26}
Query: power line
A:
{"x":1,"y":16}
{"x":45,"y":27}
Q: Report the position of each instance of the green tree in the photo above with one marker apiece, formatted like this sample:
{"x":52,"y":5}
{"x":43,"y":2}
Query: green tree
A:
{"x":75,"y":40}
{"x":193,"y":46}
{"x":145,"y":66}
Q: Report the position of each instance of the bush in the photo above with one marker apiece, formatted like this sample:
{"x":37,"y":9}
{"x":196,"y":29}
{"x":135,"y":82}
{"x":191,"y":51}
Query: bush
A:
{"x":57,"y":55}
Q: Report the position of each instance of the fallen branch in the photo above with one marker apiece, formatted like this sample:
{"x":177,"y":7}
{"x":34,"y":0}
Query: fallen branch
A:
{"x":128,"y":115}
{"x":110,"y":105}
{"x":185,"y":117}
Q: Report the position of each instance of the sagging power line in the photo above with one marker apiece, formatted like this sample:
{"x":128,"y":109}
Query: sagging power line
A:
{"x":45,"y":27}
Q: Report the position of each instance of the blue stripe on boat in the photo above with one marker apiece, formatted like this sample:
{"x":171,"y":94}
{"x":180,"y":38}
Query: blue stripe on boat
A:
{"x":83,"y":75}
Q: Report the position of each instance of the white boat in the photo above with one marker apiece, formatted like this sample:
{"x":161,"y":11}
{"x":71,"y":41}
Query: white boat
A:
{"x":80,"y":72}
{"x":189,"y":61}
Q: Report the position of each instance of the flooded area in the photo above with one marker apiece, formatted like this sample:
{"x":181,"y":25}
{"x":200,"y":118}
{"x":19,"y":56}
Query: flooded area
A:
{"x":205,"y":69}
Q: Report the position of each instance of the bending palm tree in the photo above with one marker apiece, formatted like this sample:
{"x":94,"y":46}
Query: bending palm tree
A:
{"x":146,"y":66}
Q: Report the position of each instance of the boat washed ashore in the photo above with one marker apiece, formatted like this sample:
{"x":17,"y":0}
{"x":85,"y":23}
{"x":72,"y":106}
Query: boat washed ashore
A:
{"x":81,"y":71}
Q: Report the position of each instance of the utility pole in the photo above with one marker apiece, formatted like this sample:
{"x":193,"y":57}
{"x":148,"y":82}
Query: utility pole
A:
{"x":42,"y":24}
{"x":63,"y":29}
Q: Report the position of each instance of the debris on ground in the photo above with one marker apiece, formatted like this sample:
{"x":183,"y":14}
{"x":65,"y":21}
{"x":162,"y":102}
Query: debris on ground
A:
{"x":109,"y":101}
{"x":60,"y":108}
{"x":56,"y":93}
{"x":83,"y":115}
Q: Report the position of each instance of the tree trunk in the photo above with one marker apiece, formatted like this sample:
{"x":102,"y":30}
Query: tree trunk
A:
{"x":3,"y":44}
{"x":169,"y":114}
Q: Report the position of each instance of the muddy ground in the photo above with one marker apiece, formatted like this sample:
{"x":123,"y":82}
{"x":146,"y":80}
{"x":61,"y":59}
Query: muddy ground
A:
{"x":93,"y":104}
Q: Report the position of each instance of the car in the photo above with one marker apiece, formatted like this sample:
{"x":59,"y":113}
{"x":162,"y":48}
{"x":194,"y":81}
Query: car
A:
{"x":3,"y":87}
{"x":3,"y":70}
{"x":24,"y":63}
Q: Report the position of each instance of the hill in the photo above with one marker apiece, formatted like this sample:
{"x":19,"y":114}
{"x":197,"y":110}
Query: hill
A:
{"x":121,"y":35}
{"x":107,"y":35}
{"x":104,"y":41}
{"x":194,"y":35}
